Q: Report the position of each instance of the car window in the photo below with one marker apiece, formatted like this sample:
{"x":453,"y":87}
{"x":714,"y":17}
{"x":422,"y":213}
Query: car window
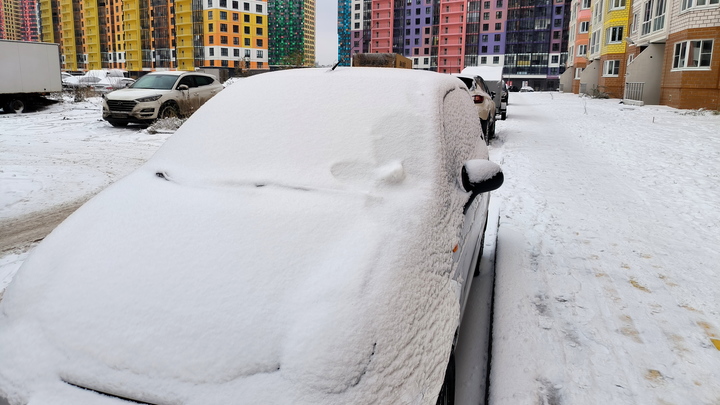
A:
{"x":468,"y":82}
{"x":188,"y":80}
{"x":159,"y":82}
{"x":204,"y":80}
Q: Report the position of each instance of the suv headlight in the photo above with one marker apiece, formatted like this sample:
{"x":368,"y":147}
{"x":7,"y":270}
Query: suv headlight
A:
{"x":149,"y":98}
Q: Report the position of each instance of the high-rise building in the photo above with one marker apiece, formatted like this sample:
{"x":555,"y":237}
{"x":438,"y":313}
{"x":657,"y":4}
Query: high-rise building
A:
{"x":292,"y":32}
{"x":536,"y":42}
{"x":19,"y":20}
{"x":142,"y":35}
{"x":344,"y":31}
{"x":528,"y":37}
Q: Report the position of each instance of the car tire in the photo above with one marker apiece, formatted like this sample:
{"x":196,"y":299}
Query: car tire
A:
{"x":491,"y":130}
{"x":503,"y":115}
{"x":168,"y":111}
{"x":118,"y":124}
{"x":447,"y":391}
{"x":484,"y":126}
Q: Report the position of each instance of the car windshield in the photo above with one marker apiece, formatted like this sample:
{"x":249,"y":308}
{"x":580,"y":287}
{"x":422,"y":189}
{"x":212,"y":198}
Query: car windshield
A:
{"x":159,"y":82}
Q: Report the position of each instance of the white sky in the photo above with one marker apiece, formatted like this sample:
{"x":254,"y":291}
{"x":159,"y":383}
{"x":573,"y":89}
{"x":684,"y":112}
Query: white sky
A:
{"x":326,"y":35}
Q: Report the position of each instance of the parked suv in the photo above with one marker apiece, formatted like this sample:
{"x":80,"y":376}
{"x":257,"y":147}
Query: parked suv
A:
{"x":483,"y":99}
{"x":159,"y":95}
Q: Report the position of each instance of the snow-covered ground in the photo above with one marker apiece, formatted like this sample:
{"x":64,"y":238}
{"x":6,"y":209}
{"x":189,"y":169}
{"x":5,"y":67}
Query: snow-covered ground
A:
{"x":608,"y":254}
{"x":608,"y":284}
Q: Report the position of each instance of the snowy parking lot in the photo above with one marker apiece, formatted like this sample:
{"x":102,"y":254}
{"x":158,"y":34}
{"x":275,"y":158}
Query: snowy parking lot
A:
{"x":608,"y":283}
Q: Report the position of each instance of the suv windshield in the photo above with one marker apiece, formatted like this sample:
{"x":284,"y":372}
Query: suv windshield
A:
{"x":160,"y":82}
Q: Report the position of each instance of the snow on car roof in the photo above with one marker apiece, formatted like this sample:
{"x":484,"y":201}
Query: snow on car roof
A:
{"x":486,"y":72}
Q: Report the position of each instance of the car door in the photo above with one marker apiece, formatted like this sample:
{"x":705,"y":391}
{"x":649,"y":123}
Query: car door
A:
{"x":207,"y":88}
{"x":189,"y":99}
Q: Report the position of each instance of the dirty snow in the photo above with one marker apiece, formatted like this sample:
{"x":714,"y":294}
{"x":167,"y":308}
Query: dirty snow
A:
{"x":607,"y":285}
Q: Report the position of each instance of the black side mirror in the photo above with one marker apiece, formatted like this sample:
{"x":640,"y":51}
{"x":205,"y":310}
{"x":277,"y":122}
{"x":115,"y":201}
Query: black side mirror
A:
{"x":480,"y":176}
{"x":183,"y":87}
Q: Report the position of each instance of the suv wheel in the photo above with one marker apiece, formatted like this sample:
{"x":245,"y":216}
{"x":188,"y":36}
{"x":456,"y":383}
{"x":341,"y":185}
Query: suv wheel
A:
{"x":168,"y":111}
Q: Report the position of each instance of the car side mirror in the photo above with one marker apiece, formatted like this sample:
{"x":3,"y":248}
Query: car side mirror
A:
{"x":481,"y":175}
{"x":183,"y":87}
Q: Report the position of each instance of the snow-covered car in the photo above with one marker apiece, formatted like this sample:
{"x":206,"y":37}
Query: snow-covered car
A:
{"x":92,"y":77}
{"x":159,"y":95}
{"x":312,"y":249}
{"x":483,"y":99}
{"x":109,"y":84}
{"x":69,"y":81}
{"x":526,"y":89}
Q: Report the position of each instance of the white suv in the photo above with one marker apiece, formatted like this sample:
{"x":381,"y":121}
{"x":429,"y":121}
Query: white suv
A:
{"x":159,"y":95}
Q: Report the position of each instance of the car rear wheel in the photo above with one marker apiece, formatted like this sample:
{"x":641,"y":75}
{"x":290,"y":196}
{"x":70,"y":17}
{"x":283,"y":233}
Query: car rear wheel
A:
{"x":503,"y":115}
{"x":168,"y":111}
{"x":447,"y":392}
{"x":484,"y":126}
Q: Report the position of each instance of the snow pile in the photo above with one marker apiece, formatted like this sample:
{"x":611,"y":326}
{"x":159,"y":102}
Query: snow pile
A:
{"x":257,"y":254}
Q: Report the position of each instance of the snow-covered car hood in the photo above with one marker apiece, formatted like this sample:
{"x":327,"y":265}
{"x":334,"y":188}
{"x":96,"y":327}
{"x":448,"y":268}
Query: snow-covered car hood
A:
{"x":134,"y":94}
{"x":293,"y":261}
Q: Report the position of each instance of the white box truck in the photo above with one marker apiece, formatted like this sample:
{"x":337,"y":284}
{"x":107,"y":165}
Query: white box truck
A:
{"x":29,"y":71}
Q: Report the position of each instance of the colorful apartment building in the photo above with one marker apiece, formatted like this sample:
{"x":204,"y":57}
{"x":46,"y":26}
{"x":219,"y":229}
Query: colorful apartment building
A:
{"x":18,"y":20}
{"x":529,"y":37}
{"x":292,"y":32}
{"x":578,"y":42}
{"x":145,"y":35}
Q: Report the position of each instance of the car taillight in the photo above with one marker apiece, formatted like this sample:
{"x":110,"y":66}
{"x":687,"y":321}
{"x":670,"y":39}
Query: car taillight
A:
{"x":478,"y":99}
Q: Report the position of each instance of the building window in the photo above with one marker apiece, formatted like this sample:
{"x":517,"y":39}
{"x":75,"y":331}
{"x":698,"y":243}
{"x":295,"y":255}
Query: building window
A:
{"x":236,"y":17}
{"x":616,"y":4}
{"x":578,"y":72}
{"x":209,"y":3}
{"x":496,"y":49}
{"x":246,"y":6}
{"x":223,"y":28}
{"x":486,"y":16}
{"x":247,"y":53}
{"x":259,"y":54}
{"x":483,"y":60}
{"x":210,"y":15}
{"x":258,"y":19}
{"x":223,"y":52}
{"x":496,"y":60}
{"x":235,"y":5}
{"x":611,"y":68}
{"x":246,"y":41}
{"x":259,"y":43}
{"x":484,"y":38}
{"x":586,"y":4}
{"x":223,"y":39}
{"x":497,"y":37}
{"x":595,"y":42}
{"x":210,"y":27}
{"x":483,"y":49}
{"x":687,"y":4}
{"x":236,"y":41}
{"x":246,"y":30}
{"x":584,"y":27}
{"x":258,"y":31}
{"x":498,"y":26}
{"x":555,"y":59}
{"x":499,"y":3}
{"x":653,"y":16}
{"x":246,"y":18}
{"x":211,"y":39}
{"x":223,"y":15}
{"x":212,"y":51}
{"x":613,"y":35}
{"x":486,"y":5}
{"x":485,"y":27}
{"x":498,"y":14}
{"x":693,"y":54}
{"x":236,"y":29}
{"x":236,"y":53}
{"x":258,"y":8}
{"x":582,"y":50}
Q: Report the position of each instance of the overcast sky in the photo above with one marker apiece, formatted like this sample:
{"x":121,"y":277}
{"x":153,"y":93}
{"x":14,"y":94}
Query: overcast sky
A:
{"x":326,"y":40}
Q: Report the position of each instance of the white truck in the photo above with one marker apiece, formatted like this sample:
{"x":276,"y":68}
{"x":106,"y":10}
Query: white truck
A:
{"x":29,"y":71}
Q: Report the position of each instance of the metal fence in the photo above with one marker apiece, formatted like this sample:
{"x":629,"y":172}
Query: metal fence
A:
{"x":634,"y":91}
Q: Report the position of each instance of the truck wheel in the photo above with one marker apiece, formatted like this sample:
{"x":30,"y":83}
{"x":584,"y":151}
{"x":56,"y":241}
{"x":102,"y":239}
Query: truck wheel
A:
{"x":15,"y":105}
